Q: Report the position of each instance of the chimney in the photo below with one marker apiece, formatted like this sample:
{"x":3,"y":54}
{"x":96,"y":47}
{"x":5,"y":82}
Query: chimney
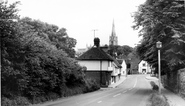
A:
{"x":96,"y":42}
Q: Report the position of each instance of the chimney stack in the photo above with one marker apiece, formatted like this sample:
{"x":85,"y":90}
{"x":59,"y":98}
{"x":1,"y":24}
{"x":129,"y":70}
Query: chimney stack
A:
{"x":96,"y":42}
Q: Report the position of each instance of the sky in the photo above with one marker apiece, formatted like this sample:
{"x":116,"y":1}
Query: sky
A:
{"x":81,"y":17}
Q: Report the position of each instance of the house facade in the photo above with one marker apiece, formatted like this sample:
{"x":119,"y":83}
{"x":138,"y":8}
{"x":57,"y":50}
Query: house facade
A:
{"x":116,"y":73}
{"x":123,"y":64}
{"x":99,"y":65}
{"x":144,"y":67}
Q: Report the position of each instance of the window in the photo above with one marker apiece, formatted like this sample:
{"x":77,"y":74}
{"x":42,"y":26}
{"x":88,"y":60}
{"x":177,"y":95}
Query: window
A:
{"x":144,"y":64}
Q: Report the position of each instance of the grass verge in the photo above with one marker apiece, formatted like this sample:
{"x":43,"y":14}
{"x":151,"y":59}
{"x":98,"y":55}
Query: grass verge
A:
{"x":155,"y":98}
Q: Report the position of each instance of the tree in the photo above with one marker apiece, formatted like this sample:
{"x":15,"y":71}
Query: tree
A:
{"x":36,"y":61}
{"x":124,"y":51}
{"x":11,"y":51}
{"x":162,"y":20}
{"x":120,"y":52}
{"x":49,"y":33}
{"x":47,"y":59}
{"x":63,"y":41}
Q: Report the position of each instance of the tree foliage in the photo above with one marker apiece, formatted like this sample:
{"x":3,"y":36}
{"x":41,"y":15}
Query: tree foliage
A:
{"x":162,"y":20}
{"x":120,"y":52}
{"x":37,"y":60}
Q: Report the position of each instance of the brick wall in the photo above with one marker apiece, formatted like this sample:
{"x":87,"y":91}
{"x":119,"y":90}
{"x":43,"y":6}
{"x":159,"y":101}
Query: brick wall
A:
{"x":104,"y":75}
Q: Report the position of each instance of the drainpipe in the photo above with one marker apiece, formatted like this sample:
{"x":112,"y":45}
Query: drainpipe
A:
{"x":100,"y":72}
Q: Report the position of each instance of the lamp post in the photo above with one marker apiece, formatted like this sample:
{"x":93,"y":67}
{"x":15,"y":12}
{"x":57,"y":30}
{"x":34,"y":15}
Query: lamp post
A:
{"x":159,"y":46}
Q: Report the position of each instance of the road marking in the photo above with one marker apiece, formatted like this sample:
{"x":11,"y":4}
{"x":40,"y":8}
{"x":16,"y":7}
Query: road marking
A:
{"x":135,"y":83}
{"x":117,"y":94}
{"x":99,"y":101}
{"x":130,"y":89}
{"x":124,"y":91}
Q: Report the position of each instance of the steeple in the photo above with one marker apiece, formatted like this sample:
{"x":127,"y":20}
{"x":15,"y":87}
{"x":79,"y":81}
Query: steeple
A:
{"x":113,"y":29}
{"x":113,"y":40}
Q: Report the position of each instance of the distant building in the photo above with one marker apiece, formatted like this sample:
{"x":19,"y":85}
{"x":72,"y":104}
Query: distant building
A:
{"x":144,"y":67}
{"x":122,"y":62}
{"x":80,"y":51}
{"x":100,"y":66}
{"x":113,"y":39}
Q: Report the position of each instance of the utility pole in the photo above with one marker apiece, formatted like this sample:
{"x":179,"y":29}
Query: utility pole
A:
{"x":95,"y":31}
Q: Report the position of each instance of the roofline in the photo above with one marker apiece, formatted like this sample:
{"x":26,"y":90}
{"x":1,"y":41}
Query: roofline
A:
{"x":96,"y":59}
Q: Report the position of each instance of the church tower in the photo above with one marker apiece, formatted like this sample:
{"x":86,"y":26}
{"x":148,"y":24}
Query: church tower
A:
{"x":113,"y":39}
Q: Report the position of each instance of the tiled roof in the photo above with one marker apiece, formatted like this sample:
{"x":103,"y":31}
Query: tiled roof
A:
{"x":95,"y":54}
{"x":117,"y":63}
{"x":120,"y":61}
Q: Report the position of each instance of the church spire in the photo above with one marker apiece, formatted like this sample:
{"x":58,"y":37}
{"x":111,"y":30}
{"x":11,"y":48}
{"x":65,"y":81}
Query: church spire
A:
{"x":113,"y":40}
{"x":113,"y":29}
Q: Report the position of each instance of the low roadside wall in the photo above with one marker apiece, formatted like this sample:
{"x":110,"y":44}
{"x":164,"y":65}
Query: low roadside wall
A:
{"x":175,"y":81}
{"x":181,"y":84}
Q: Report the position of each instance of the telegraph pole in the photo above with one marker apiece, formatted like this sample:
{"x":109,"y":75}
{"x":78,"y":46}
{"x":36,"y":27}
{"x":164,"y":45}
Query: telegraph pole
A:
{"x":94,"y":30}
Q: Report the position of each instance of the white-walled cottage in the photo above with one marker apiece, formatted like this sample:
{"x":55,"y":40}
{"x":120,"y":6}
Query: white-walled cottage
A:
{"x":100,"y":66}
{"x":144,"y":67}
{"x":123,"y":64}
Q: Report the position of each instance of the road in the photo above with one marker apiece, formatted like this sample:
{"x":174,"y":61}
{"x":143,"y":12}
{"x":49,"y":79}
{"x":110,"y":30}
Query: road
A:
{"x":134,"y":91}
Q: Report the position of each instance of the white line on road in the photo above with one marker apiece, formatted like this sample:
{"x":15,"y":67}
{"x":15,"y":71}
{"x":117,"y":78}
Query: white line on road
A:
{"x":130,"y":89}
{"x":135,"y":83}
{"x":117,"y":94}
{"x":124,"y":91}
{"x":99,"y":101}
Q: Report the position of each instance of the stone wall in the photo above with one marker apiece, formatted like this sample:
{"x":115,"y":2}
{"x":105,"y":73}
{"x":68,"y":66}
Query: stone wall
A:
{"x":175,"y":81}
{"x":181,"y":84}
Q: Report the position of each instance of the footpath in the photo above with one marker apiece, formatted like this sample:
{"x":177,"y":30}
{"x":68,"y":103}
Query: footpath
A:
{"x":173,"y":99}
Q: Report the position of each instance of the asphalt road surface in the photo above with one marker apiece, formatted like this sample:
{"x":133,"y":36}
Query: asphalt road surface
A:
{"x":134,"y":91}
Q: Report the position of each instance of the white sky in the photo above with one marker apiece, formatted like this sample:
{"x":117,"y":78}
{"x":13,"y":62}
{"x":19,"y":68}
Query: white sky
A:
{"x":80,"y":17}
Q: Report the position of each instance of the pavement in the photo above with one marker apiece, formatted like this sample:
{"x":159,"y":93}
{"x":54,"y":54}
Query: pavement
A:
{"x":114,"y":85}
{"x":173,"y":99}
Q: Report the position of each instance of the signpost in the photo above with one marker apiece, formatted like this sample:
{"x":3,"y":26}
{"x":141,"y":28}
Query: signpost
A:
{"x":159,"y":46}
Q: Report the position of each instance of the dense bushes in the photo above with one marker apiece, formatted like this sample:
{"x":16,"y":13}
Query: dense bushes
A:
{"x":18,"y":101}
{"x":91,"y":85}
{"x":37,"y":61}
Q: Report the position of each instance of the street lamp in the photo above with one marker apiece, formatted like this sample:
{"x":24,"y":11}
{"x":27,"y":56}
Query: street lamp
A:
{"x":159,"y":46}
